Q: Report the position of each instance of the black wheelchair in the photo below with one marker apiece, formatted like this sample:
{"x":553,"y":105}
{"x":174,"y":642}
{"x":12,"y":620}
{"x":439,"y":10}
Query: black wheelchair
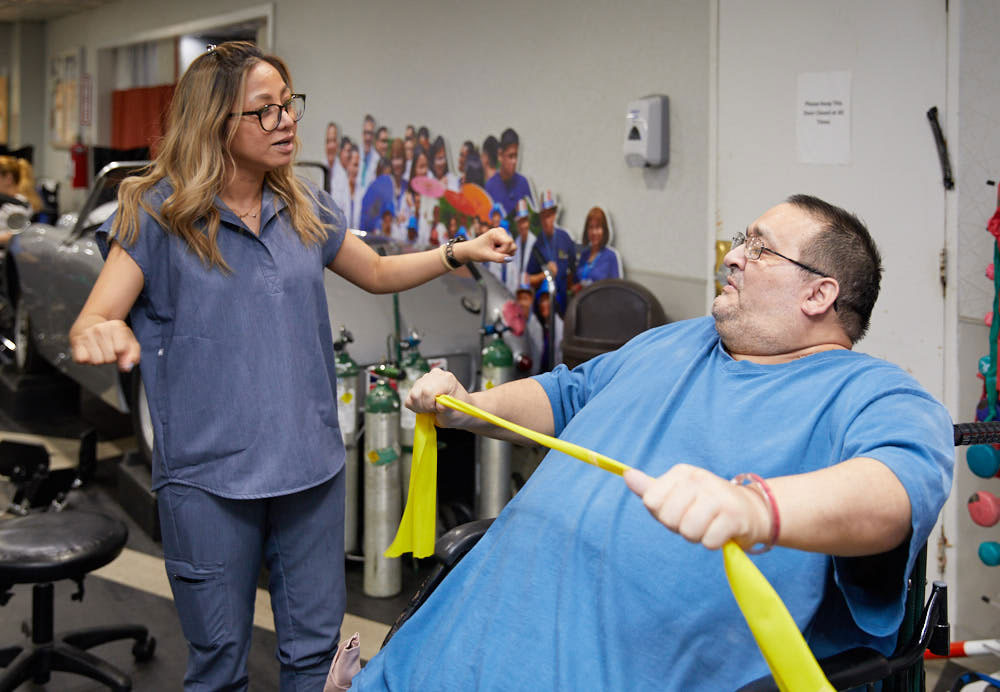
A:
{"x":924,"y":627}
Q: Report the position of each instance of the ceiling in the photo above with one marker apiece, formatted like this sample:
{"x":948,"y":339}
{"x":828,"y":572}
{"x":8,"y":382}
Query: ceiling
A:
{"x":41,"y":10}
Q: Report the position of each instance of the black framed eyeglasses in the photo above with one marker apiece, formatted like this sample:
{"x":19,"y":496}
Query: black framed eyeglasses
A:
{"x":754,"y":246}
{"x":270,"y":115}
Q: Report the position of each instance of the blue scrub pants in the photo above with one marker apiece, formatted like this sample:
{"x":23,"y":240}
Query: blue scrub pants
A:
{"x":213,"y":548}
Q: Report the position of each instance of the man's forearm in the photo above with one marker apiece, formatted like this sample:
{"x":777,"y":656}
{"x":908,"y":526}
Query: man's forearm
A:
{"x":857,"y":507}
{"x":521,"y":401}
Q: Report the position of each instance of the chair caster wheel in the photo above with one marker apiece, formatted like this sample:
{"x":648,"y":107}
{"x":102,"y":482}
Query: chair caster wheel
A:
{"x":143,"y":651}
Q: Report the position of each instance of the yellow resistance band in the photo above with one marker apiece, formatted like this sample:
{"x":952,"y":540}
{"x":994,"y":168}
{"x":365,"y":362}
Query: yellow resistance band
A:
{"x":787,"y":655}
{"x":581,"y":453}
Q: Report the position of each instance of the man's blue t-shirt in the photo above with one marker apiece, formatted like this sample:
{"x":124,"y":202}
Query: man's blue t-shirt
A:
{"x":577,"y":587}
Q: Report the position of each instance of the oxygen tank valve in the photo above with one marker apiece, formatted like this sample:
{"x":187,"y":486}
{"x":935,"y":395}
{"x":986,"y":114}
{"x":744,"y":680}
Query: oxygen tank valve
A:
{"x":343,"y":339}
{"x":410,"y":342}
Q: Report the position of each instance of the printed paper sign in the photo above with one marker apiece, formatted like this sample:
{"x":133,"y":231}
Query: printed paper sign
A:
{"x":823,"y":122}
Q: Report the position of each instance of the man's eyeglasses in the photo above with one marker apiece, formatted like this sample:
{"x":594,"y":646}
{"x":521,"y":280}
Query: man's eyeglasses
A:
{"x":754,"y":246}
{"x":270,"y":115}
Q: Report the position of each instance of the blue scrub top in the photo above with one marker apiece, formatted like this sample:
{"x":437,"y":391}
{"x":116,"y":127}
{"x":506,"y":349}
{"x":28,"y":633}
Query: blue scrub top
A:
{"x":239,"y":368}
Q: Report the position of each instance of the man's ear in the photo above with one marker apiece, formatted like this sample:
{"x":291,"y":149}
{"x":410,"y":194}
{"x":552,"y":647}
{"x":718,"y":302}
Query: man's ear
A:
{"x":823,"y":294}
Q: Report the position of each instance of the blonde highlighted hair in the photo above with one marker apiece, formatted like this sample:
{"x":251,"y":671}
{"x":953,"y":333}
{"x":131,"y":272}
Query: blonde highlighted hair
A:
{"x":194,"y":157}
{"x":24,"y":177}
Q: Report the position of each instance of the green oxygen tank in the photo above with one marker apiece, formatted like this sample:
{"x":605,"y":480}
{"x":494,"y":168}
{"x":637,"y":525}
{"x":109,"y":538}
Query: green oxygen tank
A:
{"x":383,"y":575}
{"x":414,"y":367}
{"x":493,"y":458}
{"x":347,"y":415}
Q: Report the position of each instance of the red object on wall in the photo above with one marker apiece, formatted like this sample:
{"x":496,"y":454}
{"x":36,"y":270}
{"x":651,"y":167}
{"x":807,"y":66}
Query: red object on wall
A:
{"x":78,"y":159}
{"x":139,"y":116}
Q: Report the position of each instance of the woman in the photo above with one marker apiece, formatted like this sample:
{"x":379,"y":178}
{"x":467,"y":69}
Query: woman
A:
{"x":416,"y":205}
{"x":439,"y":160}
{"x":17,"y":195}
{"x":397,"y":160}
{"x":597,"y":260}
{"x":17,"y":181}
{"x":355,"y":191}
{"x":216,"y":255}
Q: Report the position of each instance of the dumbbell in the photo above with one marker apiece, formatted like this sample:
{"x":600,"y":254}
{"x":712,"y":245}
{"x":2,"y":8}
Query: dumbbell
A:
{"x":989,"y":553}
{"x":984,"y":508}
{"x":983,"y":460}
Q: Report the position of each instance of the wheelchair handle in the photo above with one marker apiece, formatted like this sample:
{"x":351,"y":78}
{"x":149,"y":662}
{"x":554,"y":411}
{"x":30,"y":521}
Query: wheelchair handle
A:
{"x":977,"y":433}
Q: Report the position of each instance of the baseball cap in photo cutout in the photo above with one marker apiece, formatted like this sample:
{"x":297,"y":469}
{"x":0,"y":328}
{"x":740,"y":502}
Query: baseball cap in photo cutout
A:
{"x":522,"y":209}
{"x":525,"y":287}
{"x":548,"y":201}
{"x":498,"y":209}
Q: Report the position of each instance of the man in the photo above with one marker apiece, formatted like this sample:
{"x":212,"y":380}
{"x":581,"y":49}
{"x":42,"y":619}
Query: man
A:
{"x":575,"y":586}
{"x":490,"y":157}
{"x":382,"y":142}
{"x":352,"y":208}
{"x":409,"y":144}
{"x":524,"y":296}
{"x":468,"y":150}
{"x":525,"y":240}
{"x":340,"y":185}
{"x":332,"y":148}
{"x":507,"y":186}
{"x":369,"y":157}
{"x":554,"y":250}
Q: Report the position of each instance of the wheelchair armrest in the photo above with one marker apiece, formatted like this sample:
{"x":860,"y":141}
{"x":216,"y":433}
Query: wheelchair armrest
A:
{"x":453,"y":545}
{"x":845,"y":670}
{"x":860,"y":666}
{"x":448,"y":550}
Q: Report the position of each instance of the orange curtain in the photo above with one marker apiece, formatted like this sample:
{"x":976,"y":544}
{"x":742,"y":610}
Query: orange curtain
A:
{"x":139,"y":116}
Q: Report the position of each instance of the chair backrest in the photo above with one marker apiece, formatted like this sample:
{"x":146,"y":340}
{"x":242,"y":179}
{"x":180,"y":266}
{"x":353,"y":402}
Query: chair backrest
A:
{"x":605,"y":315}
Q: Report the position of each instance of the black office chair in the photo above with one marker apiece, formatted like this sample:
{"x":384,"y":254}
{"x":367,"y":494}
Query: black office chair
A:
{"x":924,"y":626}
{"x":44,"y":547}
{"x":605,"y":315}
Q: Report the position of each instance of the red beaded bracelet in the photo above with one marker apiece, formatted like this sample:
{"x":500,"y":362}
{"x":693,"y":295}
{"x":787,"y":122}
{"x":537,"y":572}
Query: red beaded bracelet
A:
{"x":758,"y":483}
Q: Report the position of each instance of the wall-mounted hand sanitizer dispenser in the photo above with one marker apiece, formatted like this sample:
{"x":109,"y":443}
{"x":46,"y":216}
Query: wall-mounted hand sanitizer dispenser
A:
{"x":647,"y":132}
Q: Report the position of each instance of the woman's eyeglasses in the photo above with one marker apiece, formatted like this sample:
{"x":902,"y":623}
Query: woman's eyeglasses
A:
{"x":270,"y":115}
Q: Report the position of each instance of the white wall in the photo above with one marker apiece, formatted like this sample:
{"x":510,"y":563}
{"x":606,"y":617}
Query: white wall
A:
{"x":976,"y":159}
{"x":891,"y":178}
{"x":977,"y":154}
{"x":560,"y":73}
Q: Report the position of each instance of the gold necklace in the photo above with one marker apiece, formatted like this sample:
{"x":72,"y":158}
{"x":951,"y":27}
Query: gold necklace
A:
{"x":252,"y":214}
